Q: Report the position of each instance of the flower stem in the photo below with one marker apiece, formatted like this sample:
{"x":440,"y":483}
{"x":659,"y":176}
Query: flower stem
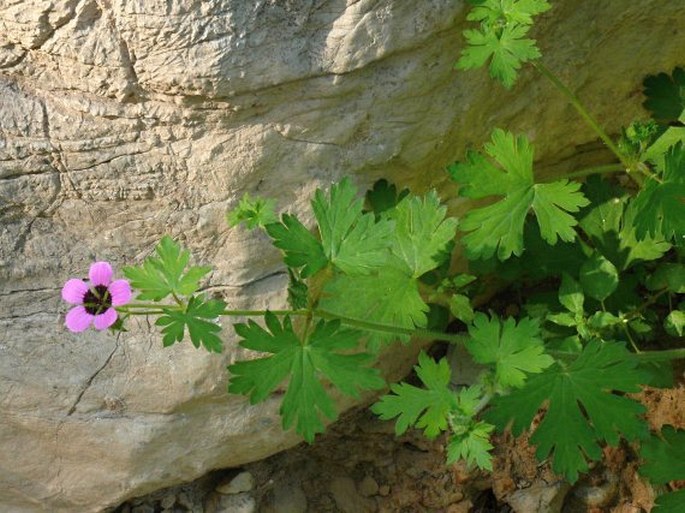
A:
{"x":595,"y":170}
{"x":584,"y":113}
{"x":384,"y":328}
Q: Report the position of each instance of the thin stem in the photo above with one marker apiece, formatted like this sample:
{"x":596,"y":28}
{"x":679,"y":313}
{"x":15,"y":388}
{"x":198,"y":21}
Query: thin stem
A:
{"x":657,"y":356}
{"x":595,"y":170}
{"x":589,"y":119}
{"x":384,"y":328}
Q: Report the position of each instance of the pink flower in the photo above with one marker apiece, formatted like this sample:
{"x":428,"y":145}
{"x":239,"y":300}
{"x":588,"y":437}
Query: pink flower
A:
{"x":95,"y":302}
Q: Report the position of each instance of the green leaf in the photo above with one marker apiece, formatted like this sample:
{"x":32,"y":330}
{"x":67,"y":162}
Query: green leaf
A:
{"x":384,"y":197}
{"x":674,"y":323}
{"x":499,"y":228}
{"x":506,"y":49}
{"x":421,"y":232}
{"x":670,"y":502}
{"x":668,"y":276}
{"x":390,"y":296}
{"x":253,"y":212}
{"x":353,"y":241}
{"x":665,"y":95}
{"x":160,"y":276}
{"x":507,"y":11}
{"x":298,"y":292}
{"x":198,"y":319}
{"x":515,"y":350}
{"x":571,"y":295}
{"x":664,"y":456}
{"x":460,"y":307}
{"x":598,"y":277}
{"x":660,"y":205}
{"x":325,"y":354}
{"x":300,"y":247}
{"x":425,"y":408}
{"x":473,"y":446}
{"x":583,"y":410}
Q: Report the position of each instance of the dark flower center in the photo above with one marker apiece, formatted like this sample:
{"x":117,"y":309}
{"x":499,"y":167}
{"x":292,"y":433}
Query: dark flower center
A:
{"x":97,"y":300}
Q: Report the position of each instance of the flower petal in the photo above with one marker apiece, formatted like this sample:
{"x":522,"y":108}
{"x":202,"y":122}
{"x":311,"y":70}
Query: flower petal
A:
{"x":100,"y":273}
{"x":120,"y":290}
{"x":78,"y":319}
{"x":106,"y":319}
{"x":74,"y":291}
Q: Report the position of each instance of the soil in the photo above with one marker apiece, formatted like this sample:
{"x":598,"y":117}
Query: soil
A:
{"x":360,"y":466}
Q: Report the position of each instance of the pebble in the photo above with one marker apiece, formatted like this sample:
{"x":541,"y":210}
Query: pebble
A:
{"x":243,"y":482}
{"x":347,"y":499}
{"x":287,"y":499}
{"x":539,"y":497}
{"x":384,"y":490}
{"x":234,"y":503}
{"x":168,"y":501}
{"x":368,"y":487}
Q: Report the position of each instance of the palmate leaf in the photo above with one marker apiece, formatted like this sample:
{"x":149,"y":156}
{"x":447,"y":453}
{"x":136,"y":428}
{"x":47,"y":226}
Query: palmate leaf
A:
{"x":198,"y":319}
{"x":353,"y":241}
{"x":325,"y":354}
{"x":473,"y":446}
{"x":498,"y":228}
{"x":664,"y":456}
{"x":390,"y":296}
{"x":507,"y":50}
{"x":583,"y":411}
{"x":300,"y":247}
{"x":514,"y":350}
{"x":163,"y":275}
{"x":425,"y":408}
{"x":253,"y":212}
{"x":507,"y":11}
{"x":384,"y":196}
{"x":664,"y":461}
{"x":421,"y":232}
{"x":660,"y":204}
{"x":665,"y":95}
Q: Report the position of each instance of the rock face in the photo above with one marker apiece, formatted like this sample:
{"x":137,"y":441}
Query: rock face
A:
{"x":123,"y":120}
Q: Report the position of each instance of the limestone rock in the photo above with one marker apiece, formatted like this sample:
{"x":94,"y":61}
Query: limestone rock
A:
{"x":123,"y":120}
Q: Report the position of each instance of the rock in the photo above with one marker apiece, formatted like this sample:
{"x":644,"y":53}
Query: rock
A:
{"x":347,"y":499}
{"x":539,"y":497}
{"x":122,"y":121}
{"x":384,"y":490}
{"x":234,"y":503}
{"x":143,"y":508}
{"x":243,"y":482}
{"x":368,"y":486}
{"x":286,"y":499}
{"x":168,"y":501}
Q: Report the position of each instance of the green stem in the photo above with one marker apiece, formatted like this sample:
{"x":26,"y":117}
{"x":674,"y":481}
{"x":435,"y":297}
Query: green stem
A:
{"x":575,"y":101}
{"x":657,"y":356}
{"x":595,"y":170}
{"x":384,"y":328}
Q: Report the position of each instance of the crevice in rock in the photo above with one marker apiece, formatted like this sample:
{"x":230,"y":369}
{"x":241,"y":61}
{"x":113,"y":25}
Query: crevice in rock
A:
{"x":90,"y":380}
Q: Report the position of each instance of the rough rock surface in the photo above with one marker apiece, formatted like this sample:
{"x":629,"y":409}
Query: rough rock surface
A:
{"x":123,"y":120}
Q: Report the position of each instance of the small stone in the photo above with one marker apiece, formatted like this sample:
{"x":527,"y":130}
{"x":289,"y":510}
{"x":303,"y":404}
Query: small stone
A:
{"x":168,"y":501}
{"x":143,"y":508}
{"x":243,"y":482}
{"x":368,"y":487}
{"x":185,"y":501}
{"x":384,"y":490}
{"x":237,"y":503}
{"x":347,"y":499}
{"x":289,"y":499}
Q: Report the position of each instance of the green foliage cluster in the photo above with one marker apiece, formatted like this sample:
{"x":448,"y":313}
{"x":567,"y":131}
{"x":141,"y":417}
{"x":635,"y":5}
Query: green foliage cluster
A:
{"x":594,"y":267}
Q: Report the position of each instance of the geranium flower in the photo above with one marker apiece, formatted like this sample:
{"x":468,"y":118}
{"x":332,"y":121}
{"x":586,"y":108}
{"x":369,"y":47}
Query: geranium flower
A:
{"x":96,"y":301}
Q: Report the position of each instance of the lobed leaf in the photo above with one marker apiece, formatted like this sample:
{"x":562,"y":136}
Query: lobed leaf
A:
{"x":514,"y":350}
{"x":324,"y":354}
{"x":163,"y":275}
{"x":583,"y":410}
